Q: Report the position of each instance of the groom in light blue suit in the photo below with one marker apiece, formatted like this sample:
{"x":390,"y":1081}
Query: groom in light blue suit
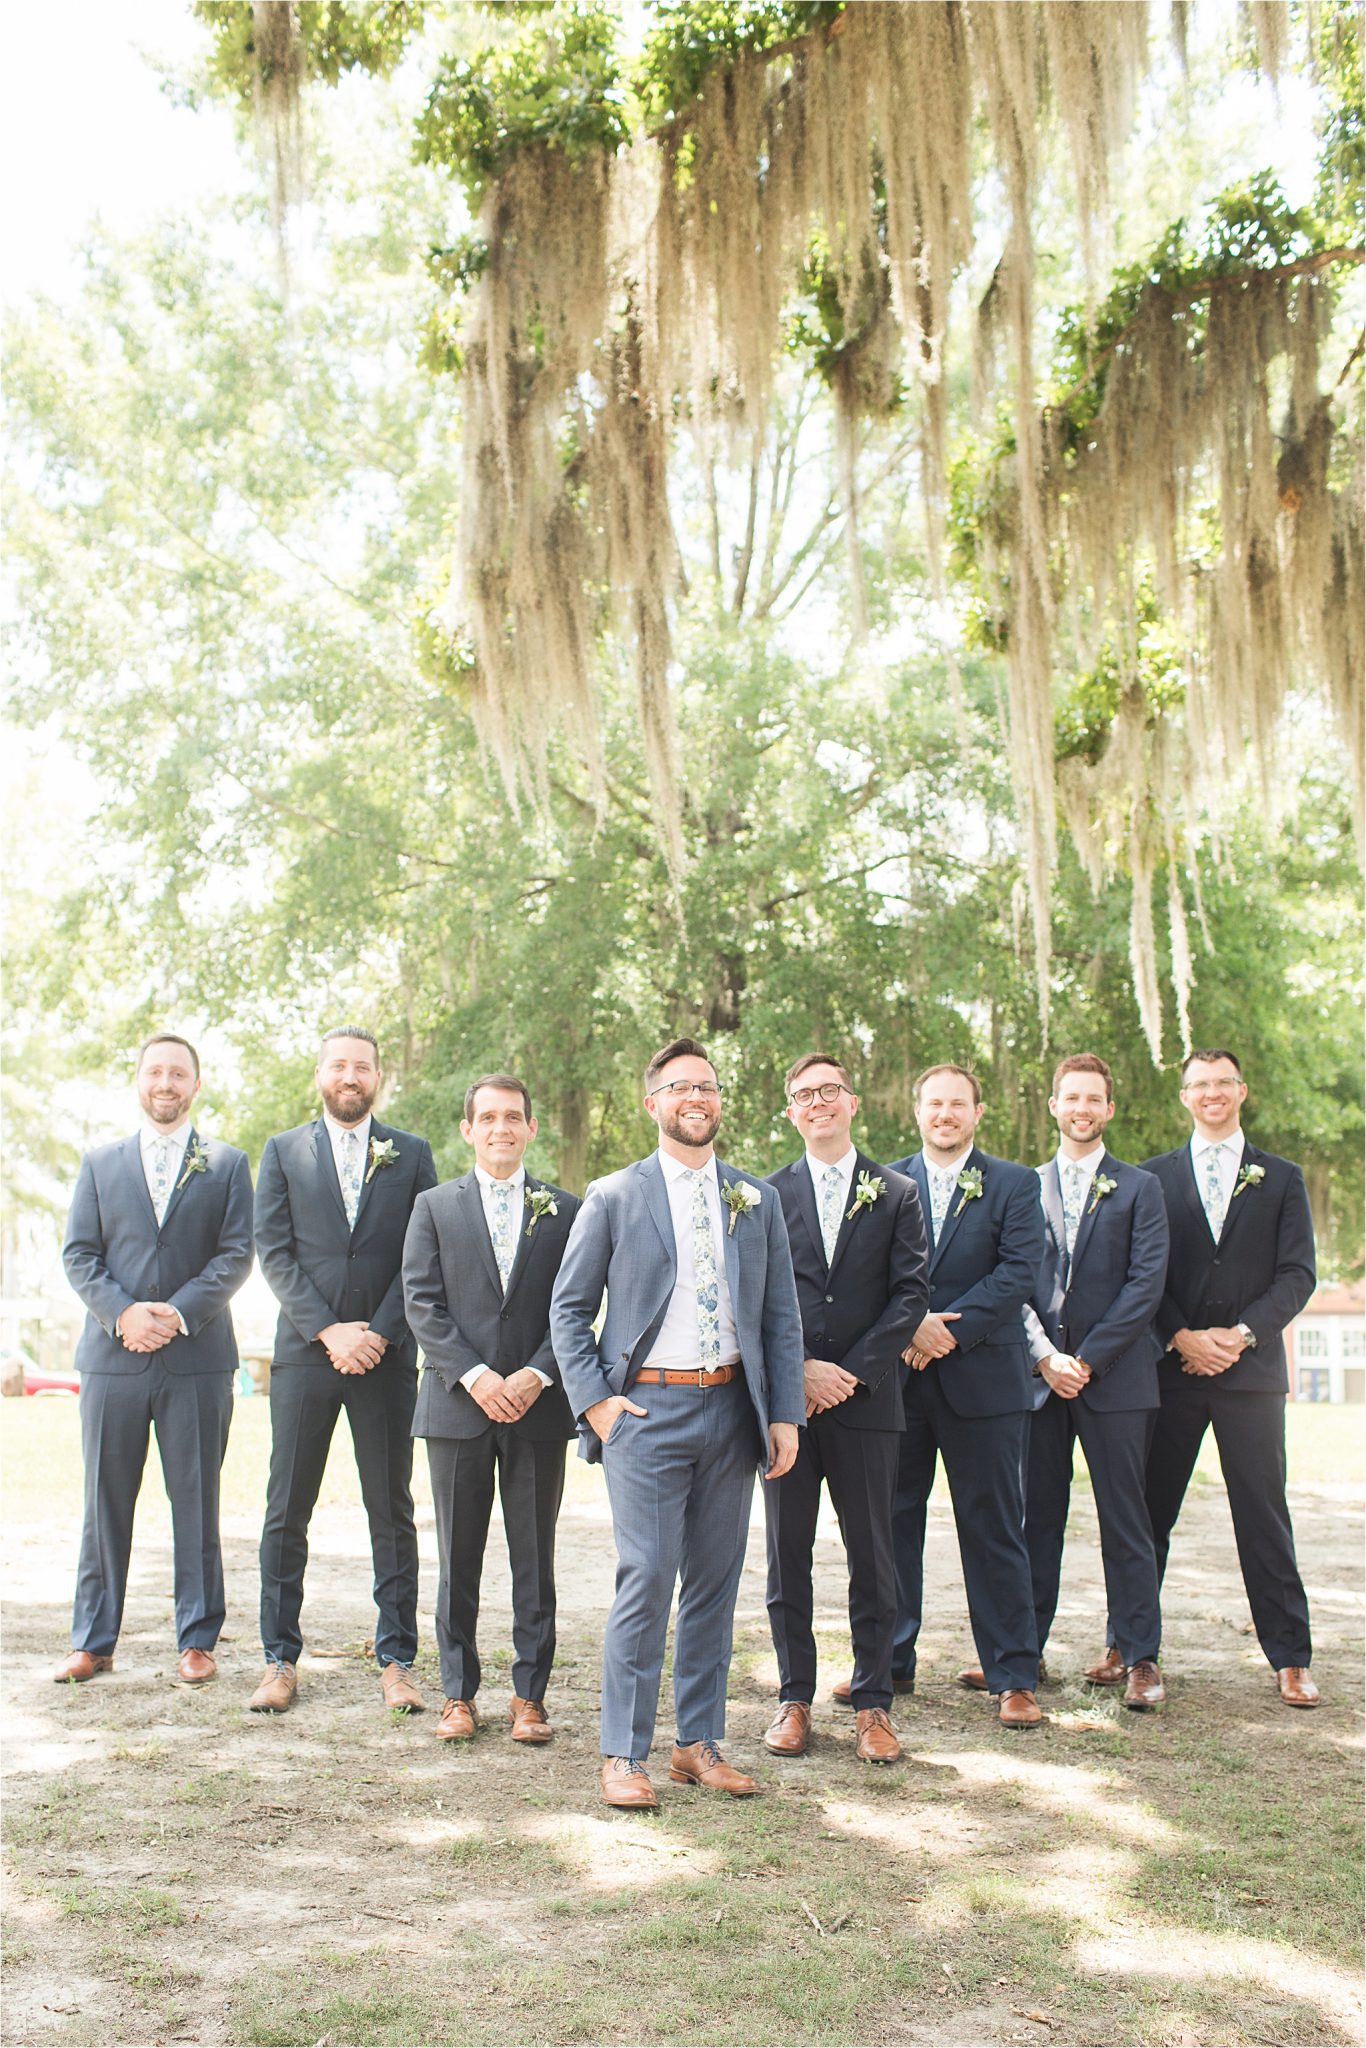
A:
{"x":702,"y":1324}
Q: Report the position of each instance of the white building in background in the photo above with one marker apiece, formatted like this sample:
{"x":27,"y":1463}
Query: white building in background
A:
{"x":1327,"y":1346}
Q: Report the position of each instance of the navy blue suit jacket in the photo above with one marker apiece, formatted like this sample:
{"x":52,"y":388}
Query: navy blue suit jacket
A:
{"x":460,"y":1316}
{"x":320,"y":1271}
{"x":1260,"y":1273}
{"x":1099,"y":1306}
{"x":984,"y":1267}
{"x":861,"y":1310}
{"x":116,"y":1253}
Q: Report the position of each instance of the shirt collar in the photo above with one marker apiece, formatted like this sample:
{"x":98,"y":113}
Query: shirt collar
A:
{"x":1200,"y":1145}
{"x":336,"y":1132}
{"x":954,"y":1167}
{"x":1089,"y":1161}
{"x":515,"y":1179}
{"x":157,"y":1134}
{"x":844,"y":1166}
{"x":674,"y":1169}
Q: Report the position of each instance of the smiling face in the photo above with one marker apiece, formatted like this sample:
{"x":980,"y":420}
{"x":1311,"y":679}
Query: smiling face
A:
{"x":688,"y":1120}
{"x":348,"y":1078}
{"x":947,"y":1115}
{"x":499,"y":1130}
{"x":823,"y":1126}
{"x":1214,"y":1092}
{"x":167,"y":1083}
{"x":1081,"y":1109}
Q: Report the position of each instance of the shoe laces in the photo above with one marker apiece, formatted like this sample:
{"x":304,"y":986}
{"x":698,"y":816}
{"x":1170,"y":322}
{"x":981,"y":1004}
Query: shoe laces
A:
{"x":630,"y":1765}
{"x":878,"y":1717}
{"x":708,"y":1751}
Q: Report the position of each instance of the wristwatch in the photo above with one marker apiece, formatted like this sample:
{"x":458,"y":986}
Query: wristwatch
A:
{"x":1249,"y":1341}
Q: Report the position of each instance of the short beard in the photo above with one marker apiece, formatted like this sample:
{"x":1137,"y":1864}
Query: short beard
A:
{"x":670,"y":1124}
{"x":163,"y":1116}
{"x":345,"y":1112}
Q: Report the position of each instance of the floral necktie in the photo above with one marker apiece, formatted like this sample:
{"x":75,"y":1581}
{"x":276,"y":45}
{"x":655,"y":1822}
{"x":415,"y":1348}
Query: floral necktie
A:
{"x":832,"y":1183}
{"x":350,"y":1175}
{"x":705,"y":1277}
{"x":503,"y":1229}
{"x":942,"y":1183}
{"x":1073,"y":1190}
{"x":1212,"y":1194}
{"x":161,"y":1177}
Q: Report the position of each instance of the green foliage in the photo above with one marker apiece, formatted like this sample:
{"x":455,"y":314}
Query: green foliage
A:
{"x":1150,"y":658}
{"x":691,"y":37}
{"x":557,"y":83}
{"x":336,"y":37}
{"x":1341,"y":185}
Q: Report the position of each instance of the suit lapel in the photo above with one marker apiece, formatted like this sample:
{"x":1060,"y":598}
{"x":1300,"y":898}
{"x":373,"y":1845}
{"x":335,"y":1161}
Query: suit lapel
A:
{"x":525,"y":1241}
{"x":329,"y":1186}
{"x":1050,"y":1188}
{"x":806,"y":1205}
{"x":182,"y":1179}
{"x":849,"y":1223}
{"x":918,"y":1173}
{"x":368,"y":1178}
{"x":1189,"y":1191}
{"x":1237,"y":1203}
{"x":471,"y":1203}
{"x":958,"y":1202}
{"x":657,"y":1202}
{"x":132,"y":1159}
{"x":1090,"y":1210}
{"x":729,"y":1246}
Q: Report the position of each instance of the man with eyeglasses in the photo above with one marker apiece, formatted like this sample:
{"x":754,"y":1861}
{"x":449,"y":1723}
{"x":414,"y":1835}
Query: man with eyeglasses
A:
{"x":858,"y":1253}
{"x":693,"y":1378}
{"x":1241,"y":1268}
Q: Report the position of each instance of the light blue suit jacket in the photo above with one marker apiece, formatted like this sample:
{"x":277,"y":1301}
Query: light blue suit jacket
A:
{"x":622,"y":1241}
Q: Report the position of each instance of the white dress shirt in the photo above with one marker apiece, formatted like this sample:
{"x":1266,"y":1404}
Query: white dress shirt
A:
{"x":156,"y":1134}
{"x":1088,"y":1165}
{"x":845,"y":1168}
{"x":517,"y":1182}
{"x":677,"y":1343}
{"x":1230,"y":1150}
{"x":338,"y":1133}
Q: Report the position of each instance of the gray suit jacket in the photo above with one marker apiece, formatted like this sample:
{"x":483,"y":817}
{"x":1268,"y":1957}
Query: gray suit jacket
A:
{"x":459,"y":1314}
{"x":623,"y":1241}
{"x":196,"y":1258}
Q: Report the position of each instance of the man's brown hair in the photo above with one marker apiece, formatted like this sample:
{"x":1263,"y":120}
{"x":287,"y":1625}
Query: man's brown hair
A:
{"x":676,"y":1049}
{"x":168,"y":1038}
{"x":948,"y":1067}
{"x":1085,"y":1063}
{"x":508,"y":1081}
{"x":1209,"y":1054}
{"x":817,"y":1059}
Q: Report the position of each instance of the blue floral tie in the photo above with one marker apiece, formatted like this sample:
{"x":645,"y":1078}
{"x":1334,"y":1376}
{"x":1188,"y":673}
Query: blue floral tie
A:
{"x":942,"y":1183}
{"x":350,"y":1175}
{"x":1073,"y":1190}
{"x":504,"y":1229}
{"x":161,"y":1177}
{"x":1212,"y":1194}
{"x":705,"y":1277}
{"x":832,"y":1181}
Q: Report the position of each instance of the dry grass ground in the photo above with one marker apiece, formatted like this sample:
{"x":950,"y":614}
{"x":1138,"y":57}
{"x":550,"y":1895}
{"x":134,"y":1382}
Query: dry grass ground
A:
{"x":181,"y":1870}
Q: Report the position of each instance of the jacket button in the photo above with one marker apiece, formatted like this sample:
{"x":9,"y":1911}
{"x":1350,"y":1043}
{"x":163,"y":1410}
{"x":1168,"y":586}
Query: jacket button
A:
{"x":830,"y":1297}
{"x":350,"y":1255}
{"x":502,"y":1315}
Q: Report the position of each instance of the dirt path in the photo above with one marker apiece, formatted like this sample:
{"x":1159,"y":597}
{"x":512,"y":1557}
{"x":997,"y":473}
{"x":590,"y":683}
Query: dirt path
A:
{"x":183,"y":1870}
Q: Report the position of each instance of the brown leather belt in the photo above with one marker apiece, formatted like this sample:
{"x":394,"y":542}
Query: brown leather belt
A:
{"x":664,"y":1376}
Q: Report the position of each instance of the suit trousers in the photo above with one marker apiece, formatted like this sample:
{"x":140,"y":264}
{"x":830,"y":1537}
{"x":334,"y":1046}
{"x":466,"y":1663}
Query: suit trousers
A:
{"x":1249,"y":1429}
{"x":984,"y":1459}
{"x":305,"y":1401}
{"x":191,"y":1413}
{"x":1116,"y":1446}
{"x":530,"y":1479}
{"x":859,"y":1466}
{"x":680,"y":1480}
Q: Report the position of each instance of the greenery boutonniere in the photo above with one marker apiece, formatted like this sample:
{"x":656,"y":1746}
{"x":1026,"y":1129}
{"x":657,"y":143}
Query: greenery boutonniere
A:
{"x":1248,"y":1177}
{"x":196,"y":1161}
{"x":739,"y":1197}
{"x":541,"y":1202}
{"x":870,"y":1186}
{"x":383,"y":1152}
{"x":970,"y":1181}
{"x":1101,"y":1186}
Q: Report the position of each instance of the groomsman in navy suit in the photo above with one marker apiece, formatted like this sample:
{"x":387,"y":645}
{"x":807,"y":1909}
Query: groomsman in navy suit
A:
{"x":858,"y":1255}
{"x":333,"y":1199}
{"x":969,"y":1393}
{"x":1241,"y":1268}
{"x":1090,"y":1326}
{"x":158,"y":1242}
{"x":478,"y":1267}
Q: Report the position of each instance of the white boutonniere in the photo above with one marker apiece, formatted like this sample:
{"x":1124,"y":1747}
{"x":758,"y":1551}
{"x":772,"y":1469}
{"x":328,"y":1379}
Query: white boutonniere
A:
{"x":1101,"y":1186}
{"x":739,"y":1197}
{"x":870,"y":1186}
{"x":196,"y":1161}
{"x":970,"y":1181}
{"x":541,"y":1202}
{"x":1249,"y":1177}
{"x":383,"y":1152}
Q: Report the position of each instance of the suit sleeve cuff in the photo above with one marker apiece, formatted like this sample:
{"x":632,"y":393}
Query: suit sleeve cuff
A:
{"x":543,"y":1377}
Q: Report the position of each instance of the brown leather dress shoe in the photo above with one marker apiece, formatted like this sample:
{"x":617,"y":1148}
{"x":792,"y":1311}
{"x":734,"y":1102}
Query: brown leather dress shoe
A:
{"x":529,"y":1723}
{"x":1145,"y":1687}
{"x":1107,"y":1670}
{"x":1019,"y":1709}
{"x":701,"y":1763}
{"x":790,"y":1728}
{"x":196,"y":1667}
{"x":843,"y":1693}
{"x":81,"y":1665}
{"x":974,"y":1678}
{"x":275,"y":1694}
{"x":627,"y":1783}
{"x":457,"y":1723}
{"x":400,"y":1690}
{"x":1297,"y":1688}
{"x":877,"y":1743}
